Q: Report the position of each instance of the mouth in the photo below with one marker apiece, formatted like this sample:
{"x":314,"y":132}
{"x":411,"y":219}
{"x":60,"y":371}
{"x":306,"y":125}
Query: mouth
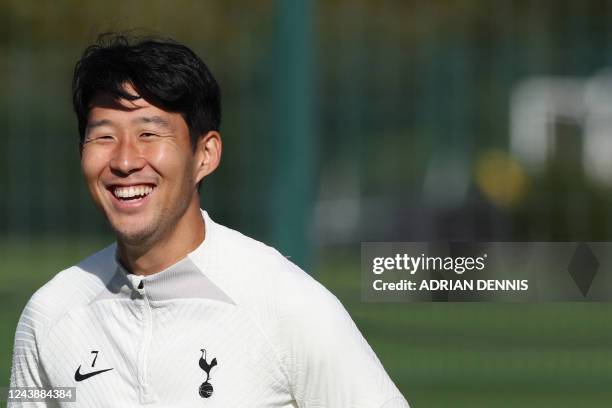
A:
{"x":130,"y":196}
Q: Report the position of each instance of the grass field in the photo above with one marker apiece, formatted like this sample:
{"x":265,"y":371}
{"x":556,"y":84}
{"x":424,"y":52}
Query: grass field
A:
{"x":440,"y":355}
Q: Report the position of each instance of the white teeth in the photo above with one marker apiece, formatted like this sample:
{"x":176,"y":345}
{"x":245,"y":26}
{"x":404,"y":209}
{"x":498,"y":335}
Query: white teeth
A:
{"x":132,"y":191}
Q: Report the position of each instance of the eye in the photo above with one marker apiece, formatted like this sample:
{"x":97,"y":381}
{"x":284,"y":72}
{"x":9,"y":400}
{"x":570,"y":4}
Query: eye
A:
{"x":147,"y":134}
{"x":101,"y":138}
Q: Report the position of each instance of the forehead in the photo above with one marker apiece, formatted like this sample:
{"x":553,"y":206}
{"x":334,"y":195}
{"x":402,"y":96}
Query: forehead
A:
{"x":104,"y":105}
{"x":107,"y":109}
{"x":109,"y":114}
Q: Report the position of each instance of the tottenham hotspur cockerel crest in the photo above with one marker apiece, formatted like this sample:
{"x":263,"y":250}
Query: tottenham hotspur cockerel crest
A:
{"x":206,"y":389}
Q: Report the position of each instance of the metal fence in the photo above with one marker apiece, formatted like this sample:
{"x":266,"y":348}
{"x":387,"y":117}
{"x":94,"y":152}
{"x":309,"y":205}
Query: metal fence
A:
{"x":344,"y":121}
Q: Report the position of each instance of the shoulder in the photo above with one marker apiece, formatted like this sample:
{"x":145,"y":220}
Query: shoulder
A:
{"x":71,"y":288}
{"x":257,"y":276}
{"x":317,"y":344}
{"x":286,"y":302}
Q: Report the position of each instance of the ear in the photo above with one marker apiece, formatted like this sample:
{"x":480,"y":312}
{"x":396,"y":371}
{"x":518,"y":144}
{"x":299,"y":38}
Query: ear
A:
{"x":207,"y":155}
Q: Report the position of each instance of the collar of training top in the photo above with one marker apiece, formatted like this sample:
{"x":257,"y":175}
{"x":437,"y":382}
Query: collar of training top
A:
{"x":183,"y":280}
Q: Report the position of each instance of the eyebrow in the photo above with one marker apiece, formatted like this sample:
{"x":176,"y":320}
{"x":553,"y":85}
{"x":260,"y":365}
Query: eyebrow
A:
{"x":141,"y":119}
{"x":152,"y":119}
{"x":98,"y":123}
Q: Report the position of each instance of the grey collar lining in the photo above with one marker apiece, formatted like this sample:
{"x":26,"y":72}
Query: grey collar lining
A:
{"x":183,"y":280}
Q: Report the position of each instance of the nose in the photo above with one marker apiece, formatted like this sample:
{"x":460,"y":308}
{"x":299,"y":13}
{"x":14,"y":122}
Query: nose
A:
{"x":127,"y":158}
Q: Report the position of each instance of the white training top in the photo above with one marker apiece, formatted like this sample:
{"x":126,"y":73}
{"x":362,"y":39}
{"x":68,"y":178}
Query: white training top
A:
{"x":234,"y":324}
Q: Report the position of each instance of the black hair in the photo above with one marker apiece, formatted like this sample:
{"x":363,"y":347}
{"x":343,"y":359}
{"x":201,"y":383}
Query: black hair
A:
{"x":165,"y":73}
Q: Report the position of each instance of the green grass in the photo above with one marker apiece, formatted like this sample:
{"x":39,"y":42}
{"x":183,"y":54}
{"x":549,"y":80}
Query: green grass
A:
{"x":484,"y":354}
{"x":440,"y":355}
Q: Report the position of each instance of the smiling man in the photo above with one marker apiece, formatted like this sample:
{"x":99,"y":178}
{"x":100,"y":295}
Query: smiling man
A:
{"x":180,"y":311}
{"x":142,"y":168}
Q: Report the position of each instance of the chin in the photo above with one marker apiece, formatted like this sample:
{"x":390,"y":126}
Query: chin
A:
{"x":133,"y":234}
{"x":133,"y":237}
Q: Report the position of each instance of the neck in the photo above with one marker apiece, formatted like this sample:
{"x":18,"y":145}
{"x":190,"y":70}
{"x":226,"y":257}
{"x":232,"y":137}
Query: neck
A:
{"x":147,"y":258}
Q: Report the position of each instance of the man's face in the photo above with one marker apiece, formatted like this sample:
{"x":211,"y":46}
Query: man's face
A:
{"x":139,"y":166}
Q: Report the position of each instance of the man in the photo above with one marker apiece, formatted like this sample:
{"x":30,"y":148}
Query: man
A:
{"x":181,"y":311}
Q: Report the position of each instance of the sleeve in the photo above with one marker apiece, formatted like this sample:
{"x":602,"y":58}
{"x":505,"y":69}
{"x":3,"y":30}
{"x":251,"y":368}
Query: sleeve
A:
{"x":27,"y":370}
{"x":328,"y":362}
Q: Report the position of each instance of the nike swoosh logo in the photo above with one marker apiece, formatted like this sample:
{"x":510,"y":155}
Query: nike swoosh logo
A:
{"x":80,"y":377}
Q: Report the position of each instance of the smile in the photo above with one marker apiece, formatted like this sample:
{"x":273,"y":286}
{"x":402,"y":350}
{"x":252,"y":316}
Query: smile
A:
{"x":131,"y":192}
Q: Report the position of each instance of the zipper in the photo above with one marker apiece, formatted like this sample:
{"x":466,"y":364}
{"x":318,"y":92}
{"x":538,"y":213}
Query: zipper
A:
{"x":145,"y":395}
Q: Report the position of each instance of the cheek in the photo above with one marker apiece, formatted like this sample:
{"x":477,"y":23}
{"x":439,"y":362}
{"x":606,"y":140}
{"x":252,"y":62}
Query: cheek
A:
{"x":92,"y":165}
{"x":170,"y":162}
